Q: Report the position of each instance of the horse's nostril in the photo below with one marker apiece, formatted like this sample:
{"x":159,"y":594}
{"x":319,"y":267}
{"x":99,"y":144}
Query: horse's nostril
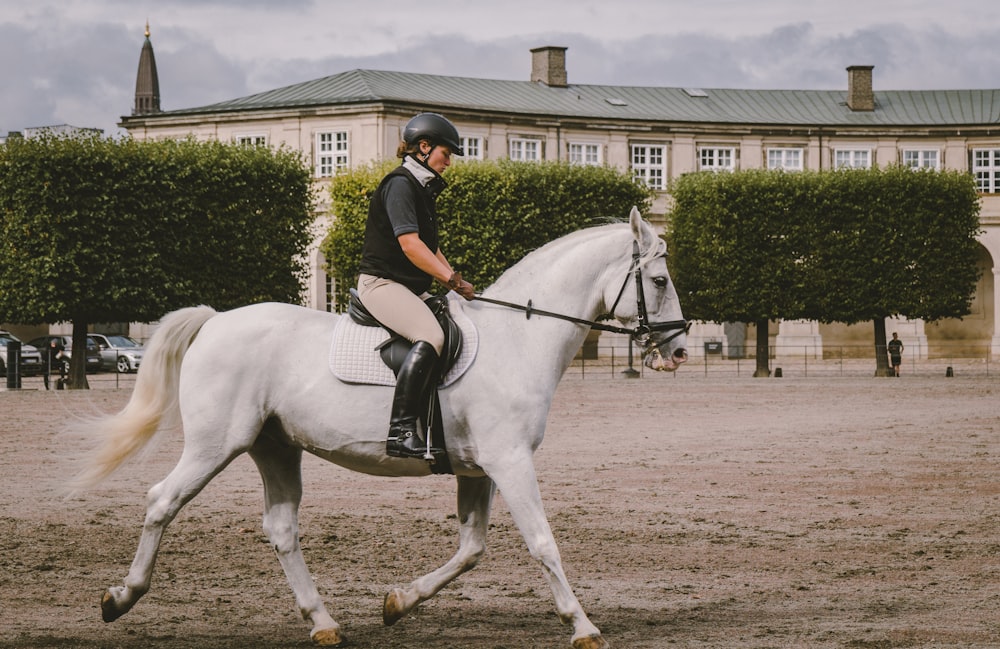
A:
{"x":681,"y":354}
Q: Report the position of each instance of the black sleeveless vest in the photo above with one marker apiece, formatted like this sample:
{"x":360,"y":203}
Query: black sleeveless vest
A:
{"x":382,"y":255}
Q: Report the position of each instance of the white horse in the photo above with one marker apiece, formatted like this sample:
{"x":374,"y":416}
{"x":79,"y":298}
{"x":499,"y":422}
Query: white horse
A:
{"x":275,"y":405}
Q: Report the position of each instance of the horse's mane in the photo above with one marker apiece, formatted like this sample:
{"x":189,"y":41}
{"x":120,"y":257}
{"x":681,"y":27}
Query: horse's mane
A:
{"x":567,"y":242}
{"x":586,"y":234}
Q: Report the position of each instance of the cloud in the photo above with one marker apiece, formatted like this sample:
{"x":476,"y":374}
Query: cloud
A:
{"x":192,"y":72}
{"x":77,"y":62}
{"x":52,"y":83}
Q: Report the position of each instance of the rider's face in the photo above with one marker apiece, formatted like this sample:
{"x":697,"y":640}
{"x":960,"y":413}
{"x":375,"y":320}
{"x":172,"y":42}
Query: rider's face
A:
{"x":438,"y":157}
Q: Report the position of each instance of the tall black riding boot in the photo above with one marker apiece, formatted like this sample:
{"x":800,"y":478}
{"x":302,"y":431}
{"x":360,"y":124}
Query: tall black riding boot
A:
{"x":412,"y":382}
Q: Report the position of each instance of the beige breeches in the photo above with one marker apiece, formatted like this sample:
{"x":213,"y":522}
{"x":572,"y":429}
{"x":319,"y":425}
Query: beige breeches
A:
{"x":396,"y":307}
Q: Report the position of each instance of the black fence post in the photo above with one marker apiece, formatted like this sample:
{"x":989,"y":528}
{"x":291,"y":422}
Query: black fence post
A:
{"x":13,"y":365}
{"x":630,"y":371}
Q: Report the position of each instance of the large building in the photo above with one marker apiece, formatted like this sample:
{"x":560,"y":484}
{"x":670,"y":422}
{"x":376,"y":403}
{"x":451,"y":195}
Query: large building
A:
{"x":57,"y":129}
{"x":656,"y":133}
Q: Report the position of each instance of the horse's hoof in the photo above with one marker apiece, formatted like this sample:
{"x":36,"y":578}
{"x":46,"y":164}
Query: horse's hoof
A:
{"x":109,"y":608}
{"x":591,"y":642}
{"x":392,"y":607}
{"x":327,"y":638}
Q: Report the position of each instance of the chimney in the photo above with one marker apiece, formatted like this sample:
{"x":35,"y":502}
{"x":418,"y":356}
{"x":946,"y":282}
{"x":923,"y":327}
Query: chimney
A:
{"x":860,"y":95}
{"x":548,"y":65}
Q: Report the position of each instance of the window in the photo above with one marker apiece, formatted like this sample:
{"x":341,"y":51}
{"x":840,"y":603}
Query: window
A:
{"x":852,"y":159}
{"x":649,"y":164}
{"x":716,"y":159}
{"x":787,"y":158}
{"x":986,"y":168}
{"x":917,"y":159}
{"x":256,"y":139}
{"x":331,"y":294}
{"x":473,"y":147}
{"x":332,"y":153}
{"x":525,"y":149}
{"x":584,"y":154}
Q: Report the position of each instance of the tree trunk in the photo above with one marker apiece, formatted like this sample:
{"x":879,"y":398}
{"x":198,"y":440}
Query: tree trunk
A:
{"x":881,"y":352}
{"x":78,"y":363}
{"x":763,"y":350}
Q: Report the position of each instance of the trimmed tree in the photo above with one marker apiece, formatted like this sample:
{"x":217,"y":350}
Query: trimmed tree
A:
{"x":895,"y":241}
{"x":836,"y":246}
{"x":99,"y":230}
{"x":737,"y":241}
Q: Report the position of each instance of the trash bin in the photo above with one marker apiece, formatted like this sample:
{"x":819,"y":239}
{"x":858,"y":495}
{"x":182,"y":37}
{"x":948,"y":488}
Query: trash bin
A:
{"x":713,"y":347}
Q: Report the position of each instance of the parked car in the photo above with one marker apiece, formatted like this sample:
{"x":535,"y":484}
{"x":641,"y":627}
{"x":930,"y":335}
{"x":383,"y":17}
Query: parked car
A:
{"x":31,"y":358}
{"x":119,"y":353}
{"x":93,"y":351}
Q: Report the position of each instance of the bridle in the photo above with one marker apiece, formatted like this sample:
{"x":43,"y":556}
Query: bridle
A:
{"x":640,"y":334}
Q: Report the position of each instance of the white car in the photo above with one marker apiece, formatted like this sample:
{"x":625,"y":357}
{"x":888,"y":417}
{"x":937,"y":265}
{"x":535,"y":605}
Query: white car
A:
{"x":118,"y":352}
{"x":31,"y":358}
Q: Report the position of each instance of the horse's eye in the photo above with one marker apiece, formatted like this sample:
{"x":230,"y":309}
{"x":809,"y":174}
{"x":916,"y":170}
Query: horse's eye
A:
{"x":660,"y":282}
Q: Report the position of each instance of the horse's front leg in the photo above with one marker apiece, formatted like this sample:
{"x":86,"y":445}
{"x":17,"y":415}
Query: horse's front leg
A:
{"x":475,"y":497}
{"x":518,"y":483}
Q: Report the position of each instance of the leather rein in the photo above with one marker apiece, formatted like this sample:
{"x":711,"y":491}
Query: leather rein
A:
{"x":640,"y":333}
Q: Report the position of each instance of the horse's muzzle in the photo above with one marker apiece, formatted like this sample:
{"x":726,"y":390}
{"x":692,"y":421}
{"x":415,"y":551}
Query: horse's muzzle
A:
{"x":655,"y":361}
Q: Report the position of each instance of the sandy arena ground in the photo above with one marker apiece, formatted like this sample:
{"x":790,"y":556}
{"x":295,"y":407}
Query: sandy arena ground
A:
{"x":690,"y":512}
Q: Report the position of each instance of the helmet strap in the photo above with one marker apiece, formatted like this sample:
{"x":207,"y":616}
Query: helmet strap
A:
{"x":423,"y":157}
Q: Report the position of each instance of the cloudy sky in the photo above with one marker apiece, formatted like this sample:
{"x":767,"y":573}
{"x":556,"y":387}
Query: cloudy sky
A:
{"x":75,"y":61}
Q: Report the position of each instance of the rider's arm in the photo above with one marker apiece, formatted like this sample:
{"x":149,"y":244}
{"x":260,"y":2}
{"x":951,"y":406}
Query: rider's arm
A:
{"x":434,"y":264}
{"x":441,"y":258}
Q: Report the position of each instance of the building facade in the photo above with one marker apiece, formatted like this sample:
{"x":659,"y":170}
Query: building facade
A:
{"x":655,"y":133}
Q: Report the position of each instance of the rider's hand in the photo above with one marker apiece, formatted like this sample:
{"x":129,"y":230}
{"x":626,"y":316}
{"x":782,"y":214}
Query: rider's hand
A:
{"x":460,"y":286}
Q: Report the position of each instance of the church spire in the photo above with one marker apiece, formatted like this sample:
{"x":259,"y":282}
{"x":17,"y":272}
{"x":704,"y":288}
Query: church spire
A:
{"x":147,"y":83}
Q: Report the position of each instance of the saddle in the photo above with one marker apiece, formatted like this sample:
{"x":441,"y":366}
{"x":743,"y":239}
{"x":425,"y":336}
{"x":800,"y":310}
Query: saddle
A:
{"x":393,"y":352}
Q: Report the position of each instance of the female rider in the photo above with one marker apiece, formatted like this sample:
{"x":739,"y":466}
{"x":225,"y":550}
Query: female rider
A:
{"x":400,"y":260}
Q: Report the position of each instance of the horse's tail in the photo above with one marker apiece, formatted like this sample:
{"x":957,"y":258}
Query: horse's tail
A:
{"x":154,"y":403}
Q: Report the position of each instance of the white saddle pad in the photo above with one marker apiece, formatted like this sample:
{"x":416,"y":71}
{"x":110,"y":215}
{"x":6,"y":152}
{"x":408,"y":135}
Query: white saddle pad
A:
{"x":355,"y":359}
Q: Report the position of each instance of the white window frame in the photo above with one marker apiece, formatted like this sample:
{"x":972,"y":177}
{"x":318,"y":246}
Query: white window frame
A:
{"x":333,"y":152}
{"x":648,"y":163}
{"x":986,"y":169}
{"x":922,"y":158}
{"x":788,"y":158}
{"x":473,"y":147}
{"x":851,"y":158}
{"x":716,"y":158}
{"x":250,"y":139}
{"x":524,"y":149}
{"x":585,"y":153}
{"x":330,"y":300}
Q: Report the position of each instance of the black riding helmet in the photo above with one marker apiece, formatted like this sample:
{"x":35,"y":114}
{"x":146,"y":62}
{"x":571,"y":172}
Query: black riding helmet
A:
{"x":434,"y":128}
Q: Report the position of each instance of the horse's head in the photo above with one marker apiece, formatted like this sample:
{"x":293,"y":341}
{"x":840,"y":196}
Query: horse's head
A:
{"x":647,"y":301}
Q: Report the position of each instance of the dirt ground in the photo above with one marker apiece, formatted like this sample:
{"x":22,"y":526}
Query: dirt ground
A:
{"x":690,"y":512}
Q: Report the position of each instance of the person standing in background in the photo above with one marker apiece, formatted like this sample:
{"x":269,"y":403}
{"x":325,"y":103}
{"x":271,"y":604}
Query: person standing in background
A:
{"x":895,"y":349}
{"x":54,"y":361}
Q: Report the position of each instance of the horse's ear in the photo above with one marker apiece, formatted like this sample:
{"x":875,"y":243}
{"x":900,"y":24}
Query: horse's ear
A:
{"x":641,"y":230}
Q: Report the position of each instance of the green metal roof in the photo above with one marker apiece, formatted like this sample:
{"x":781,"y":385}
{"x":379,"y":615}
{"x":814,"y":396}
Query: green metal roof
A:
{"x":893,"y":108}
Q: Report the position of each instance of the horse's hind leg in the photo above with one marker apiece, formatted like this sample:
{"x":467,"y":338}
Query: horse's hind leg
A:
{"x":194,"y":470}
{"x":281,"y":470}
{"x":475,"y":496}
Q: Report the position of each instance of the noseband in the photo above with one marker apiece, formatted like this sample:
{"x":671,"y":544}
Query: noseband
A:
{"x":641,"y":333}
